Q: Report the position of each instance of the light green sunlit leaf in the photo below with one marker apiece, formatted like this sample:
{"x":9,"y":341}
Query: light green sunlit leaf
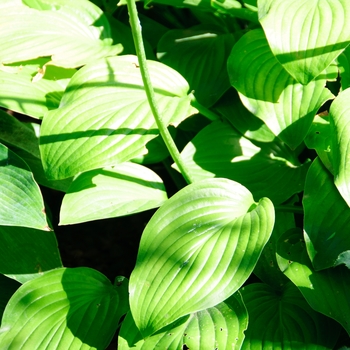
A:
{"x":326,"y":291}
{"x":120,"y":190}
{"x":327,"y":219}
{"x":21,"y":203}
{"x":284,"y":320}
{"x":270,"y":93}
{"x":306,"y":36}
{"x":196,"y":251}
{"x":64,"y":309}
{"x":26,"y":253}
{"x":199,"y":53}
{"x":104,"y":116}
{"x":266,"y":169}
{"x":220,"y":326}
{"x":340,"y":131}
{"x":73,"y":33}
{"x":20,"y":93}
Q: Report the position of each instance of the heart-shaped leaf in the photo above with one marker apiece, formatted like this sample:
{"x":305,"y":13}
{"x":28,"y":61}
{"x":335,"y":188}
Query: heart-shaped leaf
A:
{"x":124,"y":189}
{"x":196,"y":251}
{"x":284,"y":320}
{"x":266,"y":169}
{"x":37,"y":250}
{"x":326,"y":291}
{"x":270,"y":93}
{"x":220,"y":327}
{"x":306,"y":36}
{"x":104,"y":117}
{"x":64,"y":308}
{"x":73,"y":33}
{"x":21,"y":203}
{"x":340,"y":129}
{"x":206,"y":49}
{"x":327,"y":218}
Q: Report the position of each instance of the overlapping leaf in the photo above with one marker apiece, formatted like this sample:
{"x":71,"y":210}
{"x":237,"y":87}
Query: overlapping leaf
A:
{"x":340,"y":131}
{"x":270,"y":93}
{"x":7,"y":288}
{"x":196,"y":251}
{"x":104,"y":117}
{"x":306,"y":36}
{"x":319,"y":139}
{"x":343,"y":61}
{"x":124,"y":189}
{"x":64,"y":308}
{"x":266,"y":169}
{"x":327,"y":219}
{"x":327,"y":290}
{"x":21,"y":203}
{"x":20,"y":93}
{"x":26,"y":253}
{"x":206,"y":49}
{"x":220,"y":326}
{"x":231,"y":107}
{"x":284,"y":320}
{"x":73,"y":33}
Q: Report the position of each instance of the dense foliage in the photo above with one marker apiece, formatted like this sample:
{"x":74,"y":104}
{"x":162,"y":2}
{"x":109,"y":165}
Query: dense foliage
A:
{"x":250,"y":101}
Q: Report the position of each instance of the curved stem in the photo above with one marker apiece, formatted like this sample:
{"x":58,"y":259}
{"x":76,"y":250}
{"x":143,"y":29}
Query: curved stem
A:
{"x":137,"y":36}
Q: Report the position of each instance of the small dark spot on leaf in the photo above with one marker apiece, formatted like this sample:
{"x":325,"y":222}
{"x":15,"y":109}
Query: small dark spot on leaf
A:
{"x":220,"y":329}
{"x":317,"y":132}
{"x":185,"y":334}
{"x":185,"y":347}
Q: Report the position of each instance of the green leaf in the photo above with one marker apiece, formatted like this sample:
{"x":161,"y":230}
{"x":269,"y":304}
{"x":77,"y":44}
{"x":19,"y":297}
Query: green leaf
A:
{"x":343,"y":61}
{"x":64,"y":309}
{"x":37,"y":250}
{"x":104,"y":116}
{"x":267,"y":268}
{"x":220,"y":327}
{"x":284,"y":320}
{"x":327,"y":219}
{"x":124,"y":189}
{"x":340,"y":129}
{"x":15,"y":133}
{"x":319,"y":138}
{"x":21,"y":203}
{"x":73,"y":33}
{"x":326,"y":291}
{"x":251,"y":127}
{"x":199,"y":53}
{"x":266,"y":169}
{"x":196,"y":251}
{"x":7,"y":288}
{"x":306,"y":36}
{"x":270,"y":93}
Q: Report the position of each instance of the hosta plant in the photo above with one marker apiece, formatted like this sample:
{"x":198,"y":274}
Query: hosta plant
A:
{"x":250,"y":102}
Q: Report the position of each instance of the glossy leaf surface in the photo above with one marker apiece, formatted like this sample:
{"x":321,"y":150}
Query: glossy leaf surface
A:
{"x":306,"y":36}
{"x":21,"y":203}
{"x":220,"y":326}
{"x":266,"y":169}
{"x":270,"y":93}
{"x":196,"y":251}
{"x":284,"y":320}
{"x":327,"y":290}
{"x":73,"y":33}
{"x":38,"y":252}
{"x":104,"y":117}
{"x":64,"y":308}
{"x":327,"y":219}
{"x":121,"y":190}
